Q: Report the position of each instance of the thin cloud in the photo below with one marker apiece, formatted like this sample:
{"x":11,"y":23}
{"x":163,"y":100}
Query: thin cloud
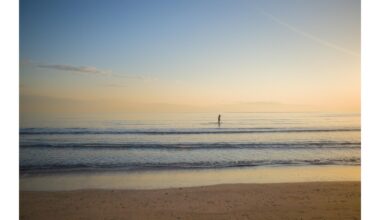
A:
{"x":114,"y":85}
{"x":88,"y":70}
{"x":70,"y":68}
{"x":309,"y":36}
{"x":144,"y":78}
{"x":128,"y":76}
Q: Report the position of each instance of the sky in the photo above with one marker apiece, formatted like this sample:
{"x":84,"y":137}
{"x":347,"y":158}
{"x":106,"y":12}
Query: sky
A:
{"x":199,"y":55}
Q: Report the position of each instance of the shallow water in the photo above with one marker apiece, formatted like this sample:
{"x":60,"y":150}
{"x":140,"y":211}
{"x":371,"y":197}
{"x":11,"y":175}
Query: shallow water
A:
{"x":187,"y":141}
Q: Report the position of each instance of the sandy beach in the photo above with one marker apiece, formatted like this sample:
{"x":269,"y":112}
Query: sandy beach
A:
{"x":313,"y":200}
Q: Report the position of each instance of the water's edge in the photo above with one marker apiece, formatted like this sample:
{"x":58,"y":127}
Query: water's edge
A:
{"x":161,"y":179}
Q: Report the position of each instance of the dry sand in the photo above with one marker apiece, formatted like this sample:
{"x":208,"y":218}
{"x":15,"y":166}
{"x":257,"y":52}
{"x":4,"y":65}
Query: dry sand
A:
{"x":319,"y":200}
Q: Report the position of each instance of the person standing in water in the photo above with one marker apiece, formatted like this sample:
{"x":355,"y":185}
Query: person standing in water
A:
{"x":219,"y":119}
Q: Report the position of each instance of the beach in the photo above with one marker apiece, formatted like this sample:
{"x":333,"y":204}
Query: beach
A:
{"x":188,"y":110}
{"x":185,"y":166}
{"x":308,"y":200}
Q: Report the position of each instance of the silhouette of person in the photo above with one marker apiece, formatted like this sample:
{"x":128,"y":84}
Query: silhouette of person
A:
{"x":219,"y":119}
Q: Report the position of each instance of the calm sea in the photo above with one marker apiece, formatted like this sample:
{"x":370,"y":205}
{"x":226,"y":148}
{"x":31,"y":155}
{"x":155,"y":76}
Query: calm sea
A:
{"x":187,"y":141}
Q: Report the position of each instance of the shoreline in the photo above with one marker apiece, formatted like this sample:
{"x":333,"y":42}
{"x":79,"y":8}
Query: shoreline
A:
{"x":163,"y":179}
{"x":46,"y":172}
{"x":307,"y":200}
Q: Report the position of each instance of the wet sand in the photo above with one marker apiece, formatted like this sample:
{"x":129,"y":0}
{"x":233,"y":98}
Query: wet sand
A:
{"x":164,"y":179}
{"x":312,"y":200}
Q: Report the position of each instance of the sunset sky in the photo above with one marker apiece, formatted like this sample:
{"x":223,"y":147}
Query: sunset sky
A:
{"x":212,"y":55}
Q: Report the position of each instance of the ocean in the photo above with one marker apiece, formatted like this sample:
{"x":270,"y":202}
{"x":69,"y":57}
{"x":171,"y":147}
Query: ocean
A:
{"x":168,"y":141}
